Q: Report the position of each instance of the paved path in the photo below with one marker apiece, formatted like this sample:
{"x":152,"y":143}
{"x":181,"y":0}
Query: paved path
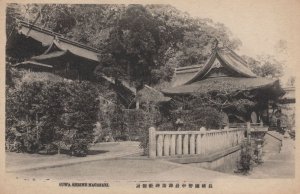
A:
{"x":121,"y":161}
{"x":277,"y":165}
{"x":125,"y":169}
{"x":16,"y":162}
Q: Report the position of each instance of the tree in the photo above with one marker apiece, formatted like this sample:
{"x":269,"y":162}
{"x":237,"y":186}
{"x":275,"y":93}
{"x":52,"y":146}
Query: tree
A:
{"x":134,"y":44}
{"x":79,"y":116}
{"x":265,"y":66}
{"x":13,"y":12}
{"x":291,"y":81}
{"x":139,"y":43}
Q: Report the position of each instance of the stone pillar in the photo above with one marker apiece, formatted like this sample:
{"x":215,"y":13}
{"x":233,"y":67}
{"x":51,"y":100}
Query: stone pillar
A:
{"x":204,"y":143}
{"x":207,"y":143}
{"x":152,"y":142}
{"x":179,"y":145}
{"x":192,"y":144}
{"x":159,"y":145}
{"x":173,"y":145}
{"x":248,"y":131}
{"x":186,"y":144}
{"x":167,"y":145}
{"x":198,"y":144}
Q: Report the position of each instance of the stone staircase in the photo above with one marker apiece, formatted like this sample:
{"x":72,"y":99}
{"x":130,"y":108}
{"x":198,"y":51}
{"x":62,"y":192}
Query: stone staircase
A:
{"x":272,"y":143}
{"x":278,"y":157}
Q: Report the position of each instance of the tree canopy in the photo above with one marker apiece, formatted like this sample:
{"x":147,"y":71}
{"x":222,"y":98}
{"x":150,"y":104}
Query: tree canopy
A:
{"x":138,"y":43}
{"x":265,"y":66}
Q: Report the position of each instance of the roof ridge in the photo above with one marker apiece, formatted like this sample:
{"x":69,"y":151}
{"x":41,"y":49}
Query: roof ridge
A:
{"x":236,"y":56}
{"x":207,"y":63}
{"x":59,"y":36}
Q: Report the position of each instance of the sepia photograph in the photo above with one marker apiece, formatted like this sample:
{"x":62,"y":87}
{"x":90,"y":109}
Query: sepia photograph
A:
{"x":175,"y":96}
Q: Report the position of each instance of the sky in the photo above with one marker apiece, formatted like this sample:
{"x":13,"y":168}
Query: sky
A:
{"x":260,"y":25}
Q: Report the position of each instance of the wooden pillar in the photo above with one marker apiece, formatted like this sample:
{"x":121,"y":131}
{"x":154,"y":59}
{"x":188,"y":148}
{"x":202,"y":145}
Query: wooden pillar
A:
{"x":78,"y":72}
{"x":152,"y":142}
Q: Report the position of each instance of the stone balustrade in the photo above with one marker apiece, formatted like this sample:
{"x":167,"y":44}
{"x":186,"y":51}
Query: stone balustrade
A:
{"x":186,"y":143}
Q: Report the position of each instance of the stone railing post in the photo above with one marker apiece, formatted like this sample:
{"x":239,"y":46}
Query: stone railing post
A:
{"x":248,"y":131}
{"x":192,"y":144}
{"x":152,"y":142}
{"x":179,"y":145}
{"x":166,"y":145}
{"x":186,"y":144}
{"x":173,"y":145}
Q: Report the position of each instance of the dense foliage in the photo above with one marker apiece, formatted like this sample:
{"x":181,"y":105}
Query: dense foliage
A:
{"x":194,"y":119}
{"x":265,"y":66}
{"x":44,"y":114}
{"x":139,"y":43}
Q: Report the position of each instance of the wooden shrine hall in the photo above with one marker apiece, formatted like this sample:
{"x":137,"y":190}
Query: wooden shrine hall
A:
{"x":41,"y":50}
{"x":226,"y":71}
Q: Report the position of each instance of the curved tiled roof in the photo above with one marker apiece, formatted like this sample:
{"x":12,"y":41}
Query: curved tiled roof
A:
{"x":221,"y":83}
{"x":235,"y":62}
{"x":184,"y":74}
{"x":230,"y":60}
{"x":46,"y":37}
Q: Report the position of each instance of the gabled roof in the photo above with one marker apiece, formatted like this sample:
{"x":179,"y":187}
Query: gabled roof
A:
{"x":46,"y":37}
{"x":56,"y":53}
{"x":230,"y":60}
{"x":224,"y":70}
{"x":184,"y":74}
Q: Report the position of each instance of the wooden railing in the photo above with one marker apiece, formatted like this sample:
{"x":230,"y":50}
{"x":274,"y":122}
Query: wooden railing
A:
{"x":181,"y":143}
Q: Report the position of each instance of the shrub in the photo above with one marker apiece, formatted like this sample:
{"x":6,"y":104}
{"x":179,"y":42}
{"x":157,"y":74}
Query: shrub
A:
{"x":43,"y":112}
{"x":18,"y":147}
{"x":146,"y":120}
{"x":251,"y":153}
{"x":79,"y":148}
{"x":193,"y":119}
{"x":245,"y":161}
{"x":51,"y":148}
{"x":124,"y":137}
